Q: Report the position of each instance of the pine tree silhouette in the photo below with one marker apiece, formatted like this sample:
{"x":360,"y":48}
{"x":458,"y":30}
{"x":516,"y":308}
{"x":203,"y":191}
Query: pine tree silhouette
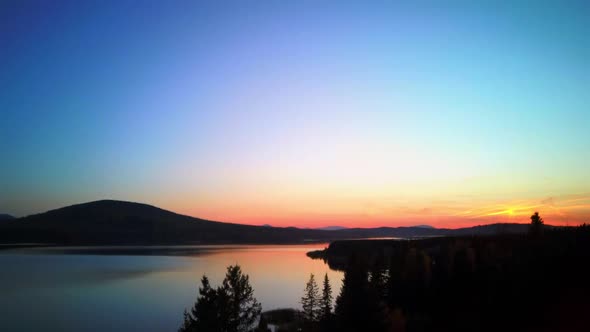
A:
{"x":311,"y":300}
{"x":326,"y":300}
{"x":231,"y":307}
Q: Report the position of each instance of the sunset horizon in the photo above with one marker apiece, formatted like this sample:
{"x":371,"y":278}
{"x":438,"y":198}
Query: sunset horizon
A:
{"x":294,"y":166}
{"x":298,"y":114}
{"x":517,"y":212}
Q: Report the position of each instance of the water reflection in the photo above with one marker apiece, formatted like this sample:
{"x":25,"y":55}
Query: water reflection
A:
{"x":139,"y":288}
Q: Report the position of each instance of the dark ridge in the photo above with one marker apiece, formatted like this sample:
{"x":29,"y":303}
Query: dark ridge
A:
{"x":4,"y":216}
{"x":127,"y":223}
{"x":332,"y":228}
{"x":119,"y":222}
{"x":424,"y":226}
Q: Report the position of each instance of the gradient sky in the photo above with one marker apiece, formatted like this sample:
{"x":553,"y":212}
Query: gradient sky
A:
{"x":305,"y":113}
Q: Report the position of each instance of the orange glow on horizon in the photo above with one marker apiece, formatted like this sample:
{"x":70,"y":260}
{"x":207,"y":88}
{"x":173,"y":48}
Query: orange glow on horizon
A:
{"x":567,"y":210}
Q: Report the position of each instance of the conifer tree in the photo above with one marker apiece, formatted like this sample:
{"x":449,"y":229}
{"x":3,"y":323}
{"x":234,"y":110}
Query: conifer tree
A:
{"x":378,"y":280}
{"x":204,"y":315}
{"x":326,"y":301}
{"x":311,"y":300}
{"x":356,"y":309}
{"x":229,"y":308}
{"x":242,"y":307}
{"x":536,"y":224}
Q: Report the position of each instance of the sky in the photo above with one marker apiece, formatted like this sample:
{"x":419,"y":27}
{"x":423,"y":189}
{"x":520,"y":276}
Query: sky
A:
{"x":299,"y":113}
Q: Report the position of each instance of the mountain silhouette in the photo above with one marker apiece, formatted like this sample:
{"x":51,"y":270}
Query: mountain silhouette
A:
{"x":332,"y":228}
{"x":119,"y":222}
{"x":424,"y":226}
{"x":4,"y":216}
{"x":127,"y":223}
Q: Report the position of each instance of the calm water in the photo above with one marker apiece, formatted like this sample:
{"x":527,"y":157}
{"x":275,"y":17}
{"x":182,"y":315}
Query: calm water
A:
{"x":140,"y":289}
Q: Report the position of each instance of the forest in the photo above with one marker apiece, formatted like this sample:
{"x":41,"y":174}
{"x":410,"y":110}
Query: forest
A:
{"x":531,"y":282}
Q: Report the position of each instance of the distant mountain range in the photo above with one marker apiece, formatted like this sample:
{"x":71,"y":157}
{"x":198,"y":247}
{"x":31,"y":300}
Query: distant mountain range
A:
{"x":339,"y":228}
{"x":332,"y":228}
{"x":126,"y":223}
{"x":424,"y":226}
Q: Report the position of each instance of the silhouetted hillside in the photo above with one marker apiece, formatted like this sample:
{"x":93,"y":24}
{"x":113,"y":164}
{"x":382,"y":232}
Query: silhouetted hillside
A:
{"x":424,"y":226}
{"x":118,"y":222}
{"x":332,"y":228}
{"x":4,"y":216}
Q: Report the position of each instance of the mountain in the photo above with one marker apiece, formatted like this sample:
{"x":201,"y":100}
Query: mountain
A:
{"x":119,"y":222}
{"x":418,"y":231}
{"x":4,"y":216}
{"x":424,"y":226}
{"x":332,"y":228}
{"x":127,"y":223}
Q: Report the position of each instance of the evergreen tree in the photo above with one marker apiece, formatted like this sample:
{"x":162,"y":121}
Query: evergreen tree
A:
{"x":187,"y":323}
{"x":356,"y":309}
{"x":352,"y":302}
{"x":326,"y":301}
{"x":311,"y":300}
{"x":229,"y":308}
{"x":262,"y":325}
{"x":242,"y":308}
{"x":204,"y":316}
{"x":536,"y":224}
{"x":378,"y":280}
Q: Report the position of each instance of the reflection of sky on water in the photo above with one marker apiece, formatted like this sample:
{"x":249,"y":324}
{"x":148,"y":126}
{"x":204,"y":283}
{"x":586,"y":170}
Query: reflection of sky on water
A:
{"x":139,"y":288}
{"x":39,"y":270}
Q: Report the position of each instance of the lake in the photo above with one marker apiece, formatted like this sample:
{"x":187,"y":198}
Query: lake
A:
{"x":140,"y":288}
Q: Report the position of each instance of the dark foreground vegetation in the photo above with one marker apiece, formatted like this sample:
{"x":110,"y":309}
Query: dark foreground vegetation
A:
{"x":229,"y":307}
{"x":532,"y":282}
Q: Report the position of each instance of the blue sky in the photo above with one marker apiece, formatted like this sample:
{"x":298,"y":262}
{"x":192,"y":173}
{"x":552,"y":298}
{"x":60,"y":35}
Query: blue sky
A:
{"x":297,"y":112}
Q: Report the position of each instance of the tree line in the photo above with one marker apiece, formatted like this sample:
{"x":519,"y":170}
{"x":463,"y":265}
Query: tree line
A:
{"x":504,"y":282}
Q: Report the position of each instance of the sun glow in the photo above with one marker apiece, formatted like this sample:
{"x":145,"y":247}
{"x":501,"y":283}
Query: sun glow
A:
{"x":312,"y":210}
{"x":362,"y":119}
